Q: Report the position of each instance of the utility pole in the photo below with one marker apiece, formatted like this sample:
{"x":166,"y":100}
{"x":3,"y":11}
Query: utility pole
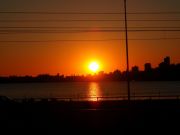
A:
{"x":127,"y":51}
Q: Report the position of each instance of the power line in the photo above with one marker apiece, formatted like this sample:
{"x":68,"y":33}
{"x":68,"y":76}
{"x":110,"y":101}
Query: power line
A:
{"x":83,"y":31}
{"x":167,"y":12}
{"x":100,"y":13}
{"x":155,"y":39}
{"x":52,"y":27}
{"x":44,"y":12}
{"x":95,"y":40}
{"x":50,"y":20}
{"x":60,"y":40}
{"x":86,"y":20}
{"x":154,"y":30}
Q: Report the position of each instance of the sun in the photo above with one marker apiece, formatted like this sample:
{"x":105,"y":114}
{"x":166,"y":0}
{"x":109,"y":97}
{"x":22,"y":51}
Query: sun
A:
{"x":94,"y":66}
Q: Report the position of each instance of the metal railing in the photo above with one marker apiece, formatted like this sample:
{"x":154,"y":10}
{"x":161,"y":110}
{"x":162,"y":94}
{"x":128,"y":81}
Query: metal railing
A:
{"x":99,"y":98}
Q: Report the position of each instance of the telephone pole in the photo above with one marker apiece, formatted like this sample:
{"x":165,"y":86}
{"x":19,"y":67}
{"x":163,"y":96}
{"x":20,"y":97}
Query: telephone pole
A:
{"x":127,"y":51}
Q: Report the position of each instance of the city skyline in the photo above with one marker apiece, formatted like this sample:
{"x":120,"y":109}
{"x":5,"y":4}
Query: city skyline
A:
{"x":66,"y":36}
{"x":166,"y":70}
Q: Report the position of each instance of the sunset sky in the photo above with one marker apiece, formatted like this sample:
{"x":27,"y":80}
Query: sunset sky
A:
{"x":32,"y":44}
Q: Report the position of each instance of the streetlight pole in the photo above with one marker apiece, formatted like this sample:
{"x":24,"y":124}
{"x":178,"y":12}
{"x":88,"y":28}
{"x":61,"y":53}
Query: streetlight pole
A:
{"x":127,"y":51}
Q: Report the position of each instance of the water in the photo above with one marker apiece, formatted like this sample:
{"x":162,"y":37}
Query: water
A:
{"x":88,"y":89}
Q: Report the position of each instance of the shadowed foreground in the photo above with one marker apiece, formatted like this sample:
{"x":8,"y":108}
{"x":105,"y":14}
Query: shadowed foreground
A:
{"x":90,"y":117}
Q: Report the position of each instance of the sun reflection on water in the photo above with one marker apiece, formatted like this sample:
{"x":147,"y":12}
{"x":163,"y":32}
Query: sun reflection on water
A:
{"x":94,"y":91}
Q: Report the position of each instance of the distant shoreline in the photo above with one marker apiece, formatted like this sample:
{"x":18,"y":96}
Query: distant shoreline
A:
{"x":164,"y":72}
{"x":11,"y":82}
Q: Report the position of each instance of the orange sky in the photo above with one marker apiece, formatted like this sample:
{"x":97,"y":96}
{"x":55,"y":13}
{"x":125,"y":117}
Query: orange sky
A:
{"x":32,"y":58}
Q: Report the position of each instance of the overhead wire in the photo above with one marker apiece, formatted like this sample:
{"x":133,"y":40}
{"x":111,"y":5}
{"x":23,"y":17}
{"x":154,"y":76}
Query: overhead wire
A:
{"x":73,"y":29}
{"x":84,"y":31}
{"x":85,"y":40}
{"x":56,"y":12}
{"x":87,"y":20}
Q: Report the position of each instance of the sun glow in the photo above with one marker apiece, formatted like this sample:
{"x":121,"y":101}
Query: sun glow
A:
{"x":94,"y":66}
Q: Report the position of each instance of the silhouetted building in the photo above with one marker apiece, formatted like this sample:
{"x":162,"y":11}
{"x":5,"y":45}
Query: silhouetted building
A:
{"x":165,"y":71}
{"x":147,"y":67}
{"x":134,"y":75}
{"x":101,"y":73}
{"x":165,"y":64}
{"x":167,"y":60}
{"x":135,"y":69}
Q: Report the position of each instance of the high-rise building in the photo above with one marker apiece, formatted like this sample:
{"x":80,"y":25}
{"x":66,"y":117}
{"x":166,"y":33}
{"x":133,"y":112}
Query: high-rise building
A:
{"x":135,"y":69}
{"x":147,"y":67}
{"x":167,"y":60}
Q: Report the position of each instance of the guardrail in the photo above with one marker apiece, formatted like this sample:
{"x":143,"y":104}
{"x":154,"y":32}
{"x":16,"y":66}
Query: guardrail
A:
{"x":99,"y":98}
